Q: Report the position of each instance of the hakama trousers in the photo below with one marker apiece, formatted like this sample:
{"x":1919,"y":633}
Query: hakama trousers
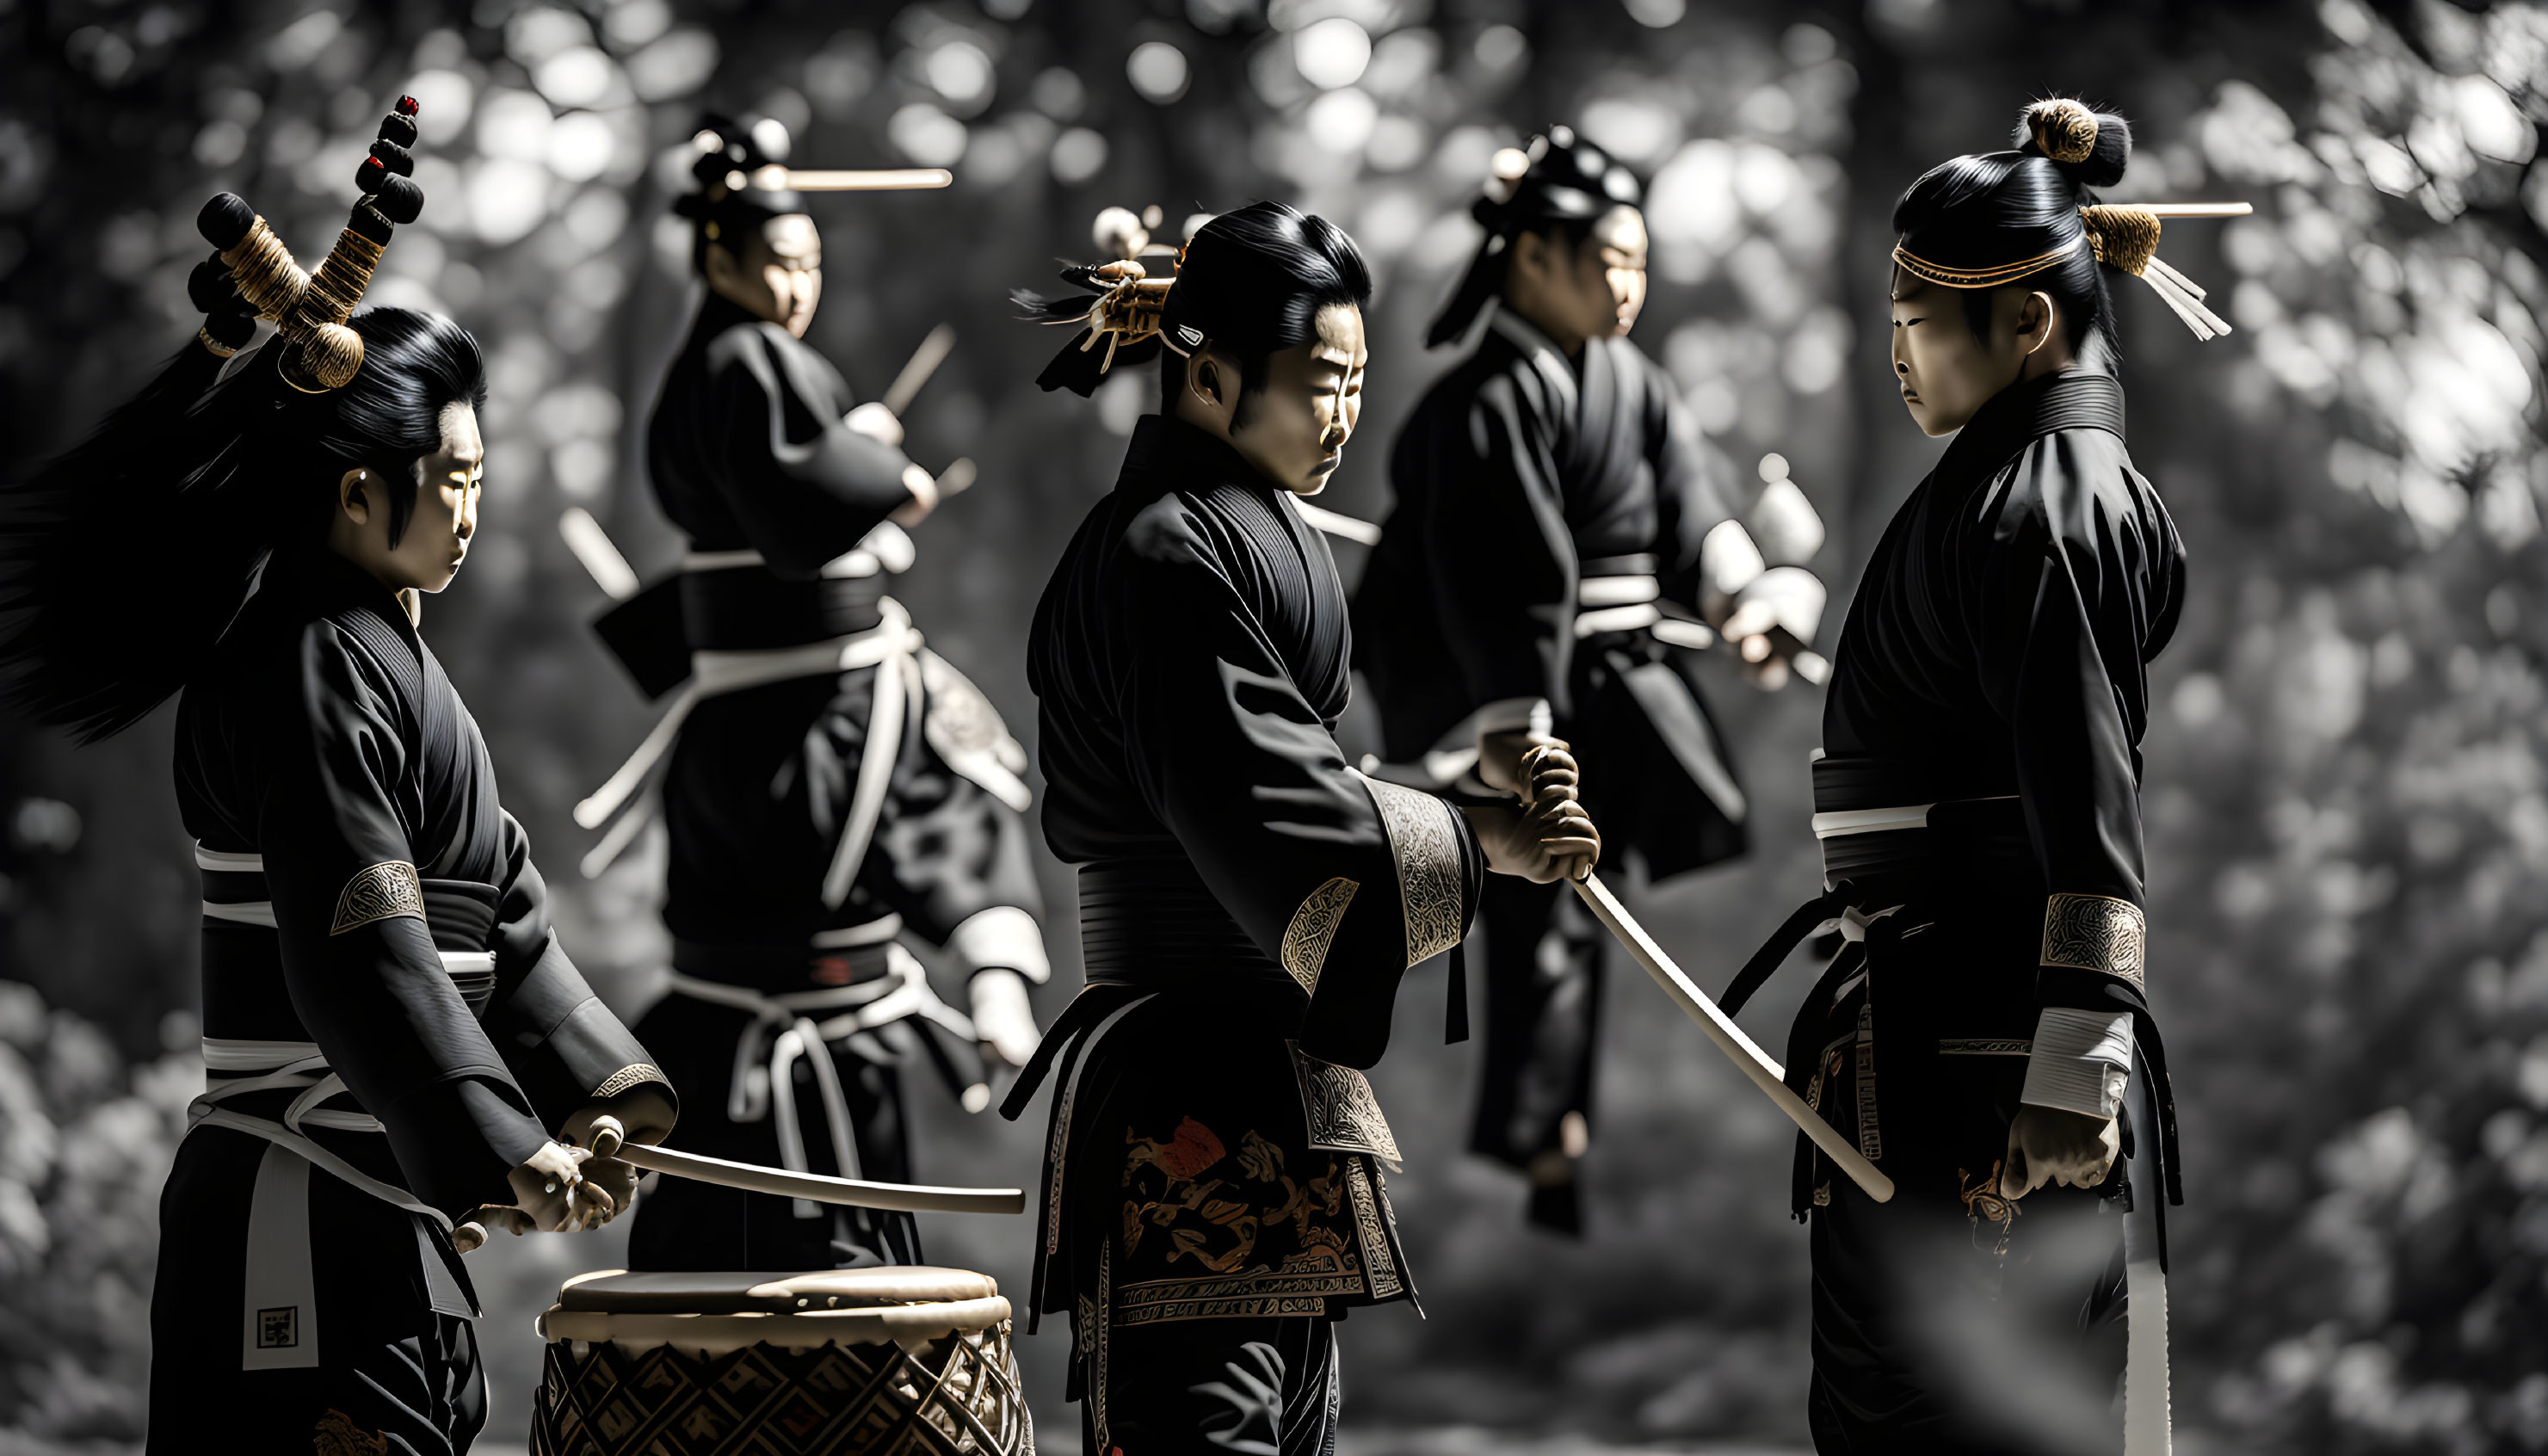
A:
{"x":1264,"y":1387}
{"x":390,"y":1372}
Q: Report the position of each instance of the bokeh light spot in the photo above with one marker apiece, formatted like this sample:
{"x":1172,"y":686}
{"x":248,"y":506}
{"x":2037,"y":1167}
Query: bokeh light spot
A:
{"x":1331,"y":52}
{"x":1158,"y":70}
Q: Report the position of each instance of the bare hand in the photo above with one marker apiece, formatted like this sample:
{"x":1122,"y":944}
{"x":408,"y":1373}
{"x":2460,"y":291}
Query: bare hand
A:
{"x":1499,"y":757}
{"x":1003,"y":1016}
{"x":876,"y":421}
{"x":2048,"y":1144}
{"x":924,"y":497}
{"x":552,"y":1193}
{"x":1549,"y":837}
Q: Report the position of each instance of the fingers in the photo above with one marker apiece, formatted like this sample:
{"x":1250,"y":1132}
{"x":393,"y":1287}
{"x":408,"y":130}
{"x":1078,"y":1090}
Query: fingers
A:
{"x":469,"y":1237}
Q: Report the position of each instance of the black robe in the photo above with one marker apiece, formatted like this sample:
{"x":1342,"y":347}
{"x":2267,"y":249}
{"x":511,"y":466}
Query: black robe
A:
{"x":1520,"y":476}
{"x":1248,"y":905}
{"x":751,"y":458}
{"x":369,"y":902}
{"x":1993,"y":669}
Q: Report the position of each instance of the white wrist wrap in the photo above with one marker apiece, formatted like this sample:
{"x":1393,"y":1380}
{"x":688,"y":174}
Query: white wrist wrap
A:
{"x":2081,"y":1060}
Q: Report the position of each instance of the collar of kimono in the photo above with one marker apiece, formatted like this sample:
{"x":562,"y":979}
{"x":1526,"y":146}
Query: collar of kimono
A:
{"x":1169,"y":454}
{"x":2073,"y":398}
{"x":1537,"y":347}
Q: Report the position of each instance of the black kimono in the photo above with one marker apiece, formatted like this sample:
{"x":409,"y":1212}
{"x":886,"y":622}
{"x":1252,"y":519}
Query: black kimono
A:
{"x":835,"y":786}
{"x":390,"y":1027}
{"x":1547,"y":529}
{"x":1978,"y":804}
{"x":1247,"y":907}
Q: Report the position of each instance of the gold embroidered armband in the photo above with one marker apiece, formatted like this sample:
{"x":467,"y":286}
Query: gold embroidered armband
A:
{"x":2095,"y":933}
{"x":1426,"y":846}
{"x":635,"y":1074}
{"x":1314,"y":928}
{"x":383,"y":891}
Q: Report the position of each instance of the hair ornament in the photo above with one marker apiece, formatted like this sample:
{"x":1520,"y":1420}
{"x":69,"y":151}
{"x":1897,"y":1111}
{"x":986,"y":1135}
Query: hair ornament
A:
{"x":1131,"y":298}
{"x":2123,"y":236}
{"x":2126,"y":237}
{"x":312,"y":310}
{"x":2063,"y":130}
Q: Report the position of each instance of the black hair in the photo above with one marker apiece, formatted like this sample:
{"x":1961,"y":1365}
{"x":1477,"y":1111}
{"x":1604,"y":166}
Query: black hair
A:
{"x":126,"y":557}
{"x":1251,"y":283}
{"x":1996,"y":207}
{"x":720,"y":214}
{"x":1566,"y":187}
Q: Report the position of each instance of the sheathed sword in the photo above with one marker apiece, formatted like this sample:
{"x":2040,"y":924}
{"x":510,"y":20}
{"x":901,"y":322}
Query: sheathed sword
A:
{"x":1746,"y":1054}
{"x":610,"y":1140}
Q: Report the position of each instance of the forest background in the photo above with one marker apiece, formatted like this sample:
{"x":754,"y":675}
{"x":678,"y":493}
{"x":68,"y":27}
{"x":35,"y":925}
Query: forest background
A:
{"x":2347,"y":794}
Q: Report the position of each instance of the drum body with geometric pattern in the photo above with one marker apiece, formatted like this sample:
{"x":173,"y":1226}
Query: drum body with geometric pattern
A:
{"x":895,"y":1361}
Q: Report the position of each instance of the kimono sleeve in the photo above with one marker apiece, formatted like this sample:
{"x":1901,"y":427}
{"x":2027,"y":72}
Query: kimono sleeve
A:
{"x":1347,"y":884}
{"x":564,"y":1047}
{"x":358,"y":962}
{"x":956,"y":861}
{"x":2067,"y":608}
{"x":803,"y":485}
{"x":1500,"y":557}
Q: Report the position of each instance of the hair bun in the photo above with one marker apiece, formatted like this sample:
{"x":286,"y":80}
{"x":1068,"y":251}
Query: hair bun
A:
{"x":2092,"y":146}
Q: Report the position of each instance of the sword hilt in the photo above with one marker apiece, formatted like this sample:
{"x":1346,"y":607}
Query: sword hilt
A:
{"x":608,"y":1137}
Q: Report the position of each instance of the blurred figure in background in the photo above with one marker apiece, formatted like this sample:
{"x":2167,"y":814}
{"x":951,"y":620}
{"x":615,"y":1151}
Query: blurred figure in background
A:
{"x":383,"y":999}
{"x":1983,"y":1035}
{"x":835,"y":786}
{"x":1248,"y":903}
{"x":1541,"y":580}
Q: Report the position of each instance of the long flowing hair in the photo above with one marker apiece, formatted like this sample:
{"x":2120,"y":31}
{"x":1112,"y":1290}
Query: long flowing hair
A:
{"x":125,"y":559}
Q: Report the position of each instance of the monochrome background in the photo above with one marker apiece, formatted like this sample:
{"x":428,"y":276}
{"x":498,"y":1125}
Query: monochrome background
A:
{"x":2347,"y":784}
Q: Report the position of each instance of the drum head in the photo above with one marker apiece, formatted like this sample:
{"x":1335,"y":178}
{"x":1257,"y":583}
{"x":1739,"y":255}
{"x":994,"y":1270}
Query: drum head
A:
{"x":616,"y":1291}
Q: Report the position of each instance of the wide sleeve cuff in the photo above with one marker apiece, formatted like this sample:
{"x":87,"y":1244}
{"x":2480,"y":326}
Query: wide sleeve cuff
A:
{"x":2096,"y":933}
{"x":1425,"y":841}
{"x":456,"y":1140}
{"x":2080,"y":1061}
{"x":1001,"y":938}
{"x":566,"y":1047}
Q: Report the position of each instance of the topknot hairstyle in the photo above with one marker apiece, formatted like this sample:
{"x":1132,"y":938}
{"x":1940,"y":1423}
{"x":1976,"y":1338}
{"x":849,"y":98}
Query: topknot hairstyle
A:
{"x":730,"y":201}
{"x":1983,"y":222}
{"x":1251,"y":281}
{"x":1560,"y":184}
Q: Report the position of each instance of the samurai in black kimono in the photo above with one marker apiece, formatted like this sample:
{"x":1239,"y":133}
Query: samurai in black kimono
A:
{"x":1248,"y":903}
{"x":835,"y":788}
{"x":393,"y":1036}
{"x":1985,"y":1035}
{"x":1541,"y":575}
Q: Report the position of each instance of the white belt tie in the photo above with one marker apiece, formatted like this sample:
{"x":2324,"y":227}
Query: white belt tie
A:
{"x":890,"y":643}
{"x":282,"y":1064}
{"x":785,"y":1022}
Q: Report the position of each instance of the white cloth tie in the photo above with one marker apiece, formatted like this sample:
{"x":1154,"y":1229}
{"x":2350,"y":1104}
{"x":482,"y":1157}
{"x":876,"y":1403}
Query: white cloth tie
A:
{"x":783,"y":1024}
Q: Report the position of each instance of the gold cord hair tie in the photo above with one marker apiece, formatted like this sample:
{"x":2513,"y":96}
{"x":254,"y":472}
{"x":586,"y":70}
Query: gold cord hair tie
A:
{"x":2126,"y":237}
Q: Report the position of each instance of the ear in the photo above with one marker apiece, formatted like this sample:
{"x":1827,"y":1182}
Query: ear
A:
{"x":719,"y":265}
{"x":2035,"y":323}
{"x":1530,"y":254}
{"x":1209,"y":377}
{"x":354,"y":498}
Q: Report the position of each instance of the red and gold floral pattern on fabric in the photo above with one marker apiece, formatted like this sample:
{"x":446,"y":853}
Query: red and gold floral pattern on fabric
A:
{"x":1218,"y":1226}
